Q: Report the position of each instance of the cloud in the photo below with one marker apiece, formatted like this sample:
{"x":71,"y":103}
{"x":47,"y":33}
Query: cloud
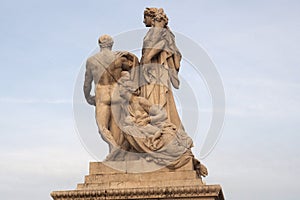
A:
{"x":252,"y":175}
{"x":47,"y":168}
{"x":262,"y":96}
{"x":34,"y":100}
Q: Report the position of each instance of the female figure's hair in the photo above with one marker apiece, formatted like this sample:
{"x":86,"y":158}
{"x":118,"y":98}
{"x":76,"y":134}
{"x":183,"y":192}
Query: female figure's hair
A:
{"x":161,"y":15}
{"x":150,"y":12}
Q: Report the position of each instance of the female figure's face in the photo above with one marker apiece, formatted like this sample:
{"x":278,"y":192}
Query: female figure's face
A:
{"x":147,"y":21}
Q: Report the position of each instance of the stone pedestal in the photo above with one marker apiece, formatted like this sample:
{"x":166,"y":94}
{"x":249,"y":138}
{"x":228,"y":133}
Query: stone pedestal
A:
{"x":124,"y":180}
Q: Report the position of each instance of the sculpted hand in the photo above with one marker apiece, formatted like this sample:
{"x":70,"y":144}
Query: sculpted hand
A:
{"x":120,"y":61}
{"x":91,"y":100}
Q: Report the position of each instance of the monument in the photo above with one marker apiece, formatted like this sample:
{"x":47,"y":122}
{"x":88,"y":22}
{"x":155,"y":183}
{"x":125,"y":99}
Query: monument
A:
{"x":150,"y":153}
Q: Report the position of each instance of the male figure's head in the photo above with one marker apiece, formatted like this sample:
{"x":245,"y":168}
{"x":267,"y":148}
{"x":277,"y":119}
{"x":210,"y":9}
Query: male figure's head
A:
{"x":105,"y":42}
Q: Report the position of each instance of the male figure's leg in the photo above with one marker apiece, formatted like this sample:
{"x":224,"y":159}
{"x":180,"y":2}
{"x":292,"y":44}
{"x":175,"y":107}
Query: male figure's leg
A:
{"x":103,"y":114}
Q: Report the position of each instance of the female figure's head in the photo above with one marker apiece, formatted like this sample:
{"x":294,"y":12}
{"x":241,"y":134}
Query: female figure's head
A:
{"x":149,"y":14}
{"x":160,"y":19}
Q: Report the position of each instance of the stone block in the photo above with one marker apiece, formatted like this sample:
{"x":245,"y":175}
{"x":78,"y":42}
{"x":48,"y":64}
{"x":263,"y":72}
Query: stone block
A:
{"x":105,"y":182}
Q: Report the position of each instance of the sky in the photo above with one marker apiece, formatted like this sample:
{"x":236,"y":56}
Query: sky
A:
{"x":255,"y":46}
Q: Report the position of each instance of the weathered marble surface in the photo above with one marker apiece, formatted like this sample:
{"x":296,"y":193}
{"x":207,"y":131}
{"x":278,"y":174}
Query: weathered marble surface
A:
{"x":104,"y":182}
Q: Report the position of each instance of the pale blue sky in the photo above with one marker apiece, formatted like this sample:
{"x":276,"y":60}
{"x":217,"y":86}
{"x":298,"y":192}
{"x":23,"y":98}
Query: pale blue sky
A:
{"x":254,"y":44}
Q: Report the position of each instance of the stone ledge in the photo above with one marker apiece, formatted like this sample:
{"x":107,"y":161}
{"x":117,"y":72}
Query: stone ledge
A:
{"x":141,"y":184}
{"x":135,"y":166}
{"x":204,"y":192}
{"x":150,"y":176}
{"x":103,"y":177}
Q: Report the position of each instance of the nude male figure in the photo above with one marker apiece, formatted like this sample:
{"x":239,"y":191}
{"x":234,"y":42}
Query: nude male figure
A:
{"x":104,"y":69}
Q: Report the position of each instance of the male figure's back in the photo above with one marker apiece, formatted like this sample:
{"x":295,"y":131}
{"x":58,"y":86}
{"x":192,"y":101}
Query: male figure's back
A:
{"x":103,"y":69}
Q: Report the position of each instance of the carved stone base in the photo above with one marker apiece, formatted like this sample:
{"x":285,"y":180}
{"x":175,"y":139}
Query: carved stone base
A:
{"x":119,"y":180}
